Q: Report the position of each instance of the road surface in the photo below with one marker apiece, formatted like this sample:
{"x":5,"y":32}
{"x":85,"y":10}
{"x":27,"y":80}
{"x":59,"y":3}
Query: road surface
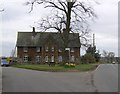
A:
{"x":22,"y":80}
{"x":105,"y":78}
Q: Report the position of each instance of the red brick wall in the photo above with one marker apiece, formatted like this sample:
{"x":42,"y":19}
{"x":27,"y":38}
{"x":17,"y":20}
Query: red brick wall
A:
{"x":32,"y":53}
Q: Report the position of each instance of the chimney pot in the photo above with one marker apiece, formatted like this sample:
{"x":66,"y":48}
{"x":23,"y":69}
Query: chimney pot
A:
{"x":33,"y":29}
{"x":34,"y":33}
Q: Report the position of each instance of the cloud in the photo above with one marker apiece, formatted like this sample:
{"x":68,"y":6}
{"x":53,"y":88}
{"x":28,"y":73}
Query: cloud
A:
{"x":16,"y":18}
{"x":106,"y":27}
{"x":13,"y":11}
{"x":107,"y":43}
{"x":7,"y":48}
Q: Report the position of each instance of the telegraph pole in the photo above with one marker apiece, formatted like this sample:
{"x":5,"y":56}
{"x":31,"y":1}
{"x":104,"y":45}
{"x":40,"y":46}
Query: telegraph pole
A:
{"x":93,"y":40}
{"x":94,"y":47}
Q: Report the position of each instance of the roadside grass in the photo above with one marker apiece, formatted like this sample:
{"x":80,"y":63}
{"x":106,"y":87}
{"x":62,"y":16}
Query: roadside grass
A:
{"x":57,"y":68}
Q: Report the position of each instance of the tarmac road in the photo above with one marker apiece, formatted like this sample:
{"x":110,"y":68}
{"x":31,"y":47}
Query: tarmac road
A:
{"x":106,"y":78}
{"x":22,"y":80}
{"x":103,"y":79}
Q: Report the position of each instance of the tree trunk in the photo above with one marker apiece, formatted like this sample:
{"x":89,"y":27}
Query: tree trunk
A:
{"x":66,"y":34}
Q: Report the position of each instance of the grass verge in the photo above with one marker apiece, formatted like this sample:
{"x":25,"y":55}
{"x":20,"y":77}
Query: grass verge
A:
{"x":57,"y":68}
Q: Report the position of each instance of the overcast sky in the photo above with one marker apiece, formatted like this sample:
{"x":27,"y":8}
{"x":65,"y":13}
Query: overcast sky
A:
{"x":16,"y":18}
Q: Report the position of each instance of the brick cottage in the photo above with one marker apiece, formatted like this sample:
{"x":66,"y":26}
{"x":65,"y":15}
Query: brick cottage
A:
{"x":42,"y":47}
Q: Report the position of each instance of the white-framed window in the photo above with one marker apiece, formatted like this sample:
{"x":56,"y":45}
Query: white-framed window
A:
{"x":52,"y":58}
{"x":72,"y":58}
{"x":72,"y":50}
{"x":37,"y":49}
{"x":25,"y":59}
{"x":52,"y":48}
{"x":25,"y":49}
{"x":46,"y":58}
{"x":37,"y":58}
{"x":59,"y":58}
{"x":46,"y":48}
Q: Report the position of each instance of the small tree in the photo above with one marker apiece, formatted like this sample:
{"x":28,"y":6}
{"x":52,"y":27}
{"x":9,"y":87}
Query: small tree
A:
{"x":97,"y":56}
{"x":92,"y":50}
{"x":111,"y":56}
{"x":118,"y":60}
{"x":88,"y":58}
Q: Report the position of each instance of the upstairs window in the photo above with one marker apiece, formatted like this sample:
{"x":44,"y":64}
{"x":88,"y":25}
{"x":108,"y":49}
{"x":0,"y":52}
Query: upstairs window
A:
{"x":52,"y":48}
{"x":38,"y":49}
{"x":46,"y":48}
{"x":25,"y":49}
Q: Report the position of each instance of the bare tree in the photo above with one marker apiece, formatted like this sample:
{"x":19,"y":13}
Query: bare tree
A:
{"x":69,"y":16}
{"x":109,"y":56}
{"x":105,"y":53}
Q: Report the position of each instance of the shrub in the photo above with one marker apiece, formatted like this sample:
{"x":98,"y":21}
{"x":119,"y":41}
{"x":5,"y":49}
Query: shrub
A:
{"x":88,"y":58}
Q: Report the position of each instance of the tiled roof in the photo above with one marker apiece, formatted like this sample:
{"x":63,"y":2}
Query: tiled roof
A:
{"x":27,"y":39}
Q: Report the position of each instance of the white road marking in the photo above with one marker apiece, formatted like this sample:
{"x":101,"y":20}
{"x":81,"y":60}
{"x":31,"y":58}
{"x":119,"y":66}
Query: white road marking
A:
{"x":97,"y":67}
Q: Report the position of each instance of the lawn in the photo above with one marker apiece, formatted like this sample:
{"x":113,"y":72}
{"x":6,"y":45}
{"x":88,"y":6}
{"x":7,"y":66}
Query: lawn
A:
{"x":57,"y":68}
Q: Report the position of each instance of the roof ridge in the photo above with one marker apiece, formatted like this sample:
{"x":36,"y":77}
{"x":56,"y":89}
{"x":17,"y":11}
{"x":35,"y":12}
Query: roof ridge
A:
{"x":36,"y":31}
{"x":45,"y":32}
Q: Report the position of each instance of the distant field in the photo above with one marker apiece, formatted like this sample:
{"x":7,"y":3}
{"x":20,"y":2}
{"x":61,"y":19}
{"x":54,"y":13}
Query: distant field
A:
{"x":57,"y":68}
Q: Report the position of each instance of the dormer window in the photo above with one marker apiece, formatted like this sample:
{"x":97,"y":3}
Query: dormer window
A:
{"x":38,"y":49}
{"x":25,"y":49}
{"x":72,"y":49}
{"x":46,"y":48}
{"x":52,"y":48}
